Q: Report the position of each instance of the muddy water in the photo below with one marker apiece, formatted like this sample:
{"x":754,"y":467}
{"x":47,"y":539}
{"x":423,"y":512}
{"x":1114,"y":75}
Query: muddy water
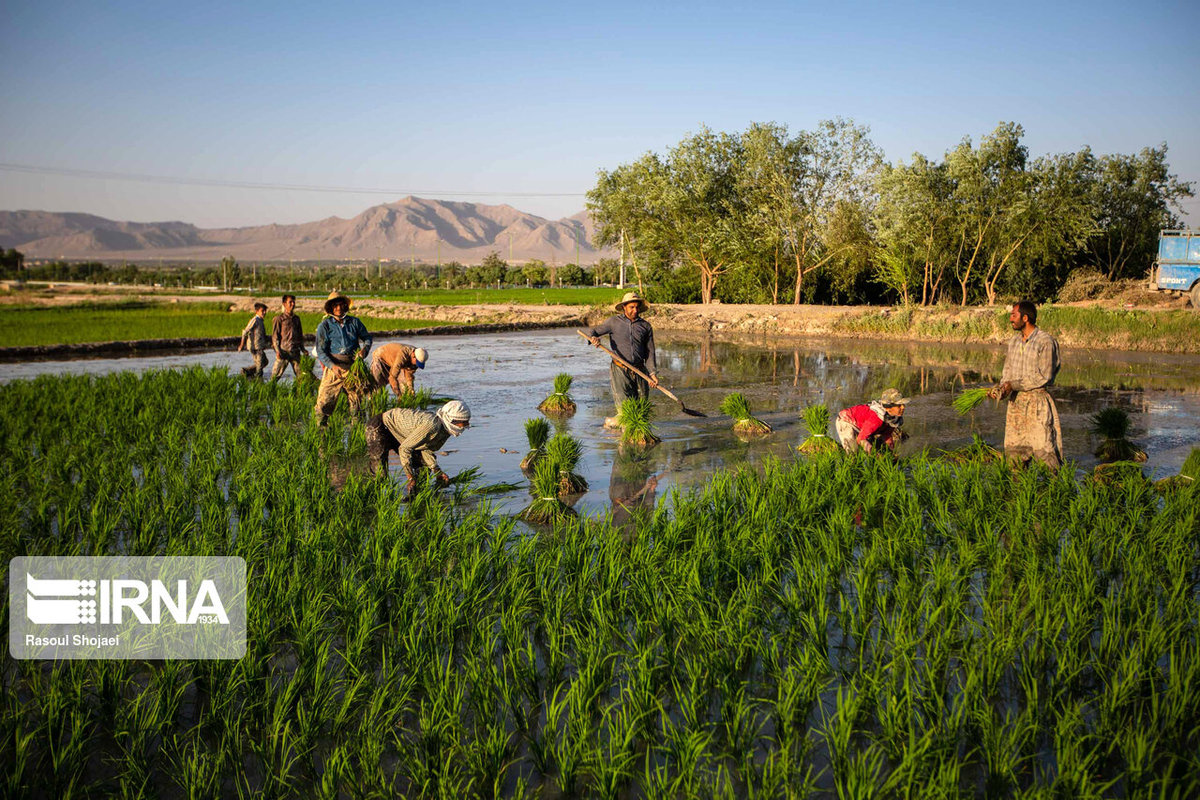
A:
{"x":504,"y":376}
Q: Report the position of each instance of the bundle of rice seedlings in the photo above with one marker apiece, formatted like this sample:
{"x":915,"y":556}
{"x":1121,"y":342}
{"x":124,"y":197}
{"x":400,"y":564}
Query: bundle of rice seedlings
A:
{"x":537,"y":431}
{"x":358,"y":377}
{"x":735,"y":405}
{"x":634,"y":418}
{"x":421,"y":398}
{"x":546,"y":508}
{"x":816,"y":420}
{"x":564,"y":452}
{"x":306,"y":381}
{"x":560,"y":401}
{"x":1112,"y":424}
{"x":969,"y":398}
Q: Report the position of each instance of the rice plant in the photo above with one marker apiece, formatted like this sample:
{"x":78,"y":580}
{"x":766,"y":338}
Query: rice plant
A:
{"x":306,"y":379}
{"x":816,"y":422}
{"x":635,"y":417}
{"x":978,"y":451}
{"x":735,"y":405}
{"x":546,"y":507}
{"x":559,"y":403}
{"x":537,"y":431}
{"x":357,"y":377}
{"x":756,"y":635}
{"x":1191,"y":466}
{"x":967,"y":399}
{"x":1112,"y":425}
{"x":563,"y":453}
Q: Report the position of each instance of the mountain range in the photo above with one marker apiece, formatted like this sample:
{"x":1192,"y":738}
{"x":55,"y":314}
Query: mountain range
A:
{"x":413,"y":227}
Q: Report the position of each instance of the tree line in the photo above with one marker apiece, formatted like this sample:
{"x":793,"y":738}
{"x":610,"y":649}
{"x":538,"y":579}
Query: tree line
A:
{"x":767,"y":216}
{"x":364,"y":276}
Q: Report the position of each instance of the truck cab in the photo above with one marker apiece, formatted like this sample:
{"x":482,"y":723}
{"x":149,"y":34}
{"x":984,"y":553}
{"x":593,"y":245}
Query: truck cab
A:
{"x":1177,"y":268}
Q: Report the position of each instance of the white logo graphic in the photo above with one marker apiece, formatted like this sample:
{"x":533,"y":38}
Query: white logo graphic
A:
{"x":46,"y":601}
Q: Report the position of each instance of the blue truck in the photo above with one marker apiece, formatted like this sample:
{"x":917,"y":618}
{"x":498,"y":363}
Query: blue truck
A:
{"x":1177,"y":268}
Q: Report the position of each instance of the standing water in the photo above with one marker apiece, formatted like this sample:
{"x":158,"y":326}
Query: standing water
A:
{"x":503,"y":377}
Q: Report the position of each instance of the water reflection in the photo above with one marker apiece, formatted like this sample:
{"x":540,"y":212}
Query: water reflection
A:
{"x":504,"y":376}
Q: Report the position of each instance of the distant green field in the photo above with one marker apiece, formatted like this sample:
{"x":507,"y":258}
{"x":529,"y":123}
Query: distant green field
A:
{"x":578,"y":296}
{"x":103,"y":322}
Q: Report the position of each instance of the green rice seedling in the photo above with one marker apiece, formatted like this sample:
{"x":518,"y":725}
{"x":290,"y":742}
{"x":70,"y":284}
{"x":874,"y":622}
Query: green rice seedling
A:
{"x":563,"y":453}
{"x":977,"y":451}
{"x":419,"y":399}
{"x":357,"y":377}
{"x":537,"y":431}
{"x":559,"y":403}
{"x":306,"y":379}
{"x":735,"y":405}
{"x":1112,"y":425}
{"x":1191,"y":467}
{"x":546,"y":508}
{"x":816,"y":421}
{"x":378,"y":401}
{"x":635,"y":418}
{"x":967,"y":399}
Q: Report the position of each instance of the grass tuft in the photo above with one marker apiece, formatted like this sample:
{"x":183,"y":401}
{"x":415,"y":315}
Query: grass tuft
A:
{"x":735,"y":405}
{"x":967,"y":399}
{"x":559,"y":403}
{"x":635,"y":417}
{"x":816,"y":422}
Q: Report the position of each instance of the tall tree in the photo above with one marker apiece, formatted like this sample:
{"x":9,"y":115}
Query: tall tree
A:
{"x":1135,"y":196}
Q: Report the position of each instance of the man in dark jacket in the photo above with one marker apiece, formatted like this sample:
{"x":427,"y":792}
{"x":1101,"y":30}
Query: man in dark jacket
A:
{"x":631,"y":338}
{"x":287,"y":337}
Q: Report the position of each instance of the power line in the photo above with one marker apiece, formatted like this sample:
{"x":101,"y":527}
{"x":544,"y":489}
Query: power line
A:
{"x":288,"y":187}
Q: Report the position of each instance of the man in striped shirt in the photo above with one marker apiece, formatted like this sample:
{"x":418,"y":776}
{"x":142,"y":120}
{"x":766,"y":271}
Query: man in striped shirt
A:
{"x":1031,"y":429}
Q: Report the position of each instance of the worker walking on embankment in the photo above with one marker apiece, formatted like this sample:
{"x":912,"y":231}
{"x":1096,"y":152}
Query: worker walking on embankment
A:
{"x":872,"y":425}
{"x":1031,"y":427}
{"x":340,"y":339}
{"x":632,"y":338}
{"x":416,"y":436}
{"x":396,"y":365}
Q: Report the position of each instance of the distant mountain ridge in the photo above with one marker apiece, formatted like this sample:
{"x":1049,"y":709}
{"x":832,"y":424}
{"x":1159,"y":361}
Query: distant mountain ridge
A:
{"x":411,"y":227}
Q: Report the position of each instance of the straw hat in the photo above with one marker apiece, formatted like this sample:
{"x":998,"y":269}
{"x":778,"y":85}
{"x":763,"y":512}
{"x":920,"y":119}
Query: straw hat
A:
{"x":631,"y":297}
{"x":892,"y":397}
{"x":336,"y":294}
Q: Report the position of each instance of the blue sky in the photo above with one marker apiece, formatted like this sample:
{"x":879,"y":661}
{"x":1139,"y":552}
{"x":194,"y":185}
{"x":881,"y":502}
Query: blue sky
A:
{"x":523,"y":103}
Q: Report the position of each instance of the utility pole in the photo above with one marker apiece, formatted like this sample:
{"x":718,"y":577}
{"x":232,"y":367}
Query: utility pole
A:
{"x":510,"y":248}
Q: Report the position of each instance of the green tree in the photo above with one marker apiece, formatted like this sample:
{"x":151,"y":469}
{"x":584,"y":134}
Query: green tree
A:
{"x":1135,"y":197}
{"x":535,"y":272}
{"x":571,"y":275}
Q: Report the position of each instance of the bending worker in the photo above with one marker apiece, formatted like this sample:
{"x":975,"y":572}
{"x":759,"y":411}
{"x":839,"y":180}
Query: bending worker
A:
{"x":340,"y":338}
{"x":396,"y":365}
{"x":631,"y":338}
{"x":872,"y":425}
{"x":416,"y":436}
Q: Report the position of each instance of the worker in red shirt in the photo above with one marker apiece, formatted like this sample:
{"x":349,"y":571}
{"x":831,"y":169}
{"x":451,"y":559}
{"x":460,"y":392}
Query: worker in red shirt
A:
{"x":872,"y":424}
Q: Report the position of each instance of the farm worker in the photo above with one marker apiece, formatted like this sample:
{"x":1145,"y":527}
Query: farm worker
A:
{"x":254,"y":337}
{"x":340,"y":338}
{"x":287,"y":337}
{"x":416,"y":436}
{"x":396,"y":365}
{"x":872,"y":424}
{"x":630,"y":337}
{"x":1031,"y":428}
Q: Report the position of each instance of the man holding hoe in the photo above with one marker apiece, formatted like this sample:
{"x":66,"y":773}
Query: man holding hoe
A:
{"x":631,"y":338}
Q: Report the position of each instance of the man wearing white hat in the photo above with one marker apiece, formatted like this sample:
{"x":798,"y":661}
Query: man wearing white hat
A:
{"x":631,"y":338}
{"x":416,"y":436}
{"x":396,"y":365}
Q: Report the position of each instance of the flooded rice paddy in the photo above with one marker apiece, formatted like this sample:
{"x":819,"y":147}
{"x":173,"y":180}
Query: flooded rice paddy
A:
{"x":504,"y":376}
